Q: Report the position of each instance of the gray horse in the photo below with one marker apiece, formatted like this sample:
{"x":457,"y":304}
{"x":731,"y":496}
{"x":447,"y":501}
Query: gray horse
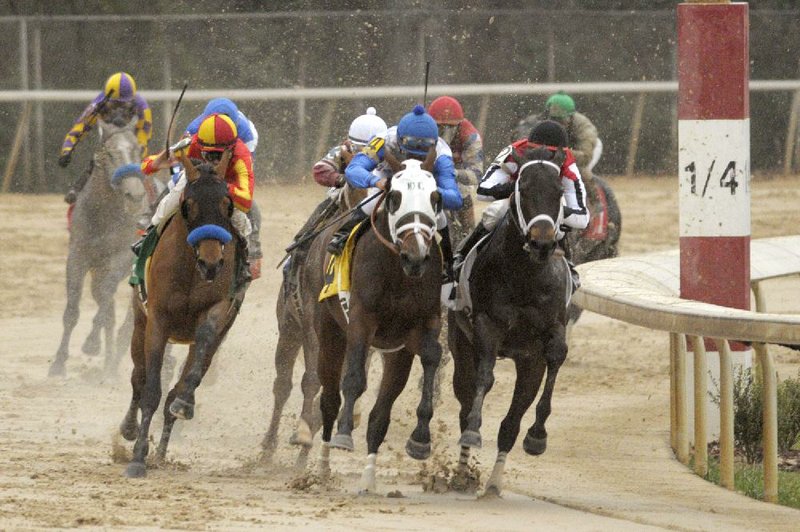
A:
{"x":103,"y":227}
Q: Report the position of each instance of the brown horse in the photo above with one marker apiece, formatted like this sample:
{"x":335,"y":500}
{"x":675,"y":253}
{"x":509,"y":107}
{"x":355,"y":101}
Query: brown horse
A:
{"x":191,"y":299}
{"x":519,"y":289}
{"x":103,"y":226}
{"x":394,"y":306}
{"x":296,"y":330}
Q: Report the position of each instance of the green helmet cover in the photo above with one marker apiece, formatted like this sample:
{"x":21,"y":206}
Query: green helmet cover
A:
{"x":562,"y":102}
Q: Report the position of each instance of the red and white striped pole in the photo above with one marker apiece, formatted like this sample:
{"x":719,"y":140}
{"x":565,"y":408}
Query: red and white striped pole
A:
{"x":714,"y":156}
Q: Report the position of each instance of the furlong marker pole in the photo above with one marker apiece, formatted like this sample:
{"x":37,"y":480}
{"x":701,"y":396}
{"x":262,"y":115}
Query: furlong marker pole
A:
{"x":714,"y":163}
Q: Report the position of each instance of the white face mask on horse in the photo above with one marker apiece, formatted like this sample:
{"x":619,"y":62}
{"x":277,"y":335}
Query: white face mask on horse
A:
{"x":413,"y":202}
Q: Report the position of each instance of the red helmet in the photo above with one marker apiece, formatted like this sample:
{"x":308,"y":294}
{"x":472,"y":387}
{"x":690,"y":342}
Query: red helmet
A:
{"x":446,"y":110}
{"x":216,"y":133}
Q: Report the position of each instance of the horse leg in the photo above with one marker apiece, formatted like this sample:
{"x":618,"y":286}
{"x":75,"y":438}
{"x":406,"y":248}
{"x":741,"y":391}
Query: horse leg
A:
{"x":357,"y":405}
{"x":76,"y":272}
{"x":129,"y":427}
{"x":418,"y":445}
{"x":122,"y":342}
{"x":206,"y":342}
{"x":285,"y":356}
{"x":353,"y":384}
{"x":535,"y":441}
{"x":396,"y":368}
{"x":104,"y":314}
{"x":309,"y":421}
{"x":169,"y":417}
{"x":154,"y":342}
{"x":331,"y":357}
{"x":485,"y":338}
{"x":529,"y":376}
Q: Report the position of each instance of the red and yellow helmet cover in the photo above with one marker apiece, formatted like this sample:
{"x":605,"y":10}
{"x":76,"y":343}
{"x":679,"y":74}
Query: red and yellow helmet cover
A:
{"x":217,"y":133}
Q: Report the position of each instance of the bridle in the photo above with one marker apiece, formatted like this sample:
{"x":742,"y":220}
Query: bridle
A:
{"x":523,"y":225}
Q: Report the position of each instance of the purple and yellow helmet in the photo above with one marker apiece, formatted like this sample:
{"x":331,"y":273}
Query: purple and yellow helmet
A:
{"x":120,"y":87}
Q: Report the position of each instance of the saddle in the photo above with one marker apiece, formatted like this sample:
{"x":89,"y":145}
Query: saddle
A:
{"x":337,"y":270}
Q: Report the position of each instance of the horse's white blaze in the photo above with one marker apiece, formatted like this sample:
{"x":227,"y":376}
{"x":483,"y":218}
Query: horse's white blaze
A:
{"x":526,"y":225}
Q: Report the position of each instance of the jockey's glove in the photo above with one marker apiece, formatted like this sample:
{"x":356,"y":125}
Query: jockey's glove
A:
{"x":64,"y":160}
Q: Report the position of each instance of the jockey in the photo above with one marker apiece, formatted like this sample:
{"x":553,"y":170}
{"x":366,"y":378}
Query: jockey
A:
{"x":329,"y":171}
{"x":497,"y":186}
{"x":216,"y":135}
{"x":582,"y":134}
{"x":119,"y":104}
{"x":413,"y":136}
{"x":467,"y":147}
{"x":249,"y":135}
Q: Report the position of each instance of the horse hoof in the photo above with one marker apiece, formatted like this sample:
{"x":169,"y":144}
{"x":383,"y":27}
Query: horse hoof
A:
{"x":470,"y":438}
{"x":343,"y":441}
{"x":136,"y":470}
{"x":417,"y":450}
{"x":129,"y":432}
{"x":491,"y":492}
{"x":302,"y":435}
{"x":181,"y":409}
{"x":91,"y":347}
{"x":534,"y":446}
{"x":57,"y":370}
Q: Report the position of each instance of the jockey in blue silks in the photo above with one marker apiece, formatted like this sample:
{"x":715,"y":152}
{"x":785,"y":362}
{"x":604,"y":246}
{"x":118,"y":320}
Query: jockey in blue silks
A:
{"x":224,"y":106}
{"x":413,"y":136}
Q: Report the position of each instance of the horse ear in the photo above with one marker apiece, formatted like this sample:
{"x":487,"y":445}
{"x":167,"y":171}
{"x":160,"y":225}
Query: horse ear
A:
{"x":191,"y":170}
{"x":222,"y":166}
{"x":389,"y":157}
{"x":436,"y":201}
{"x":560,"y":156}
{"x":427,"y":164}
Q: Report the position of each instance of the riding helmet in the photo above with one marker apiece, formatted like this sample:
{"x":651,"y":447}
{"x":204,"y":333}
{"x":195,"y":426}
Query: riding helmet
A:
{"x":217,"y":133}
{"x":120,"y":87}
{"x":549,"y":133}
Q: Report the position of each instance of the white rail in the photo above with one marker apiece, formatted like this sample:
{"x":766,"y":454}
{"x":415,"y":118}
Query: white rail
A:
{"x":397,"y":91}
{"x":643,"y":290}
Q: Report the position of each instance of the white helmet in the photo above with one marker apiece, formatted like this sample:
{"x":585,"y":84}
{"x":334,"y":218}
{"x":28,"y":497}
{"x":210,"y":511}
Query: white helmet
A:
{"x":365,"y":127}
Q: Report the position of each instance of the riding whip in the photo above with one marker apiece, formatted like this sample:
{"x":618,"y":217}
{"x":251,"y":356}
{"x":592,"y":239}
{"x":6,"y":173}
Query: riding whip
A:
{"x":174,"y":112}
{"x":425,"y":94}
{"x":314,"y":233}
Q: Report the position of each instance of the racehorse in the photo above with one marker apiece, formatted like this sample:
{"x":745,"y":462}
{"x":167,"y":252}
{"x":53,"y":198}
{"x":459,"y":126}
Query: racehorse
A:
{"x":394,"y":306}
{"x":192,"y":299}
{"x":519,"y":289}
{"x":102,"y":229}
{"x":600,"y":239}
{"x":295,"y":329}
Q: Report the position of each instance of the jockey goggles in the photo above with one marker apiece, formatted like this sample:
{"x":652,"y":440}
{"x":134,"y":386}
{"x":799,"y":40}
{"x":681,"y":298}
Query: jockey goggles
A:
{"x":417,"y":144}
{"x":211,"y":156}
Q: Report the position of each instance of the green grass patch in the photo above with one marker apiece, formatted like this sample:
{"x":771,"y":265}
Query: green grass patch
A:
{"x":749,"y":480}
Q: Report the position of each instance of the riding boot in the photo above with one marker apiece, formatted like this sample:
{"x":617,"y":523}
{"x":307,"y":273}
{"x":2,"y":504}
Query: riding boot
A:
{"x":243,"y":274}
{"x":468,"y":243}
{"x":447,"y":256}
{"x":339,"y":239}
{"x":136,"y":247}
{"x":72,"y":194}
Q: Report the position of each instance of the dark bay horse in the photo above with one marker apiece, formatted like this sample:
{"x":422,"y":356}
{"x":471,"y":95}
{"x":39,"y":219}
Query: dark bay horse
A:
{"x":103,"y":227}
{"x":519,"y":287}
{"x":394,"y":306}
{"x":191,"y":299}
{"x":296,"y":330}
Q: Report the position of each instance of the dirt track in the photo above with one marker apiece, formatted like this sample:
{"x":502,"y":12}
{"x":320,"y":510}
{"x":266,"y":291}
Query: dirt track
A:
{"x":608,"y":464}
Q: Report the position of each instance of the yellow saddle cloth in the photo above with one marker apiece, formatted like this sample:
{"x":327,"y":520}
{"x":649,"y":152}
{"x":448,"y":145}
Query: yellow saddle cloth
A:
{"x":337,"y":271}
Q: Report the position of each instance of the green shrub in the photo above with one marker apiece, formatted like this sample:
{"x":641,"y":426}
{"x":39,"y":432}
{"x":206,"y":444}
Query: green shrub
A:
{"x":748,"y":414}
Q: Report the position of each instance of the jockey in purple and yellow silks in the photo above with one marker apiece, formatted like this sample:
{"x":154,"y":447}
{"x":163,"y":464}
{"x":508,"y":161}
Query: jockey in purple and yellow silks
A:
{"x":118,"y":103}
